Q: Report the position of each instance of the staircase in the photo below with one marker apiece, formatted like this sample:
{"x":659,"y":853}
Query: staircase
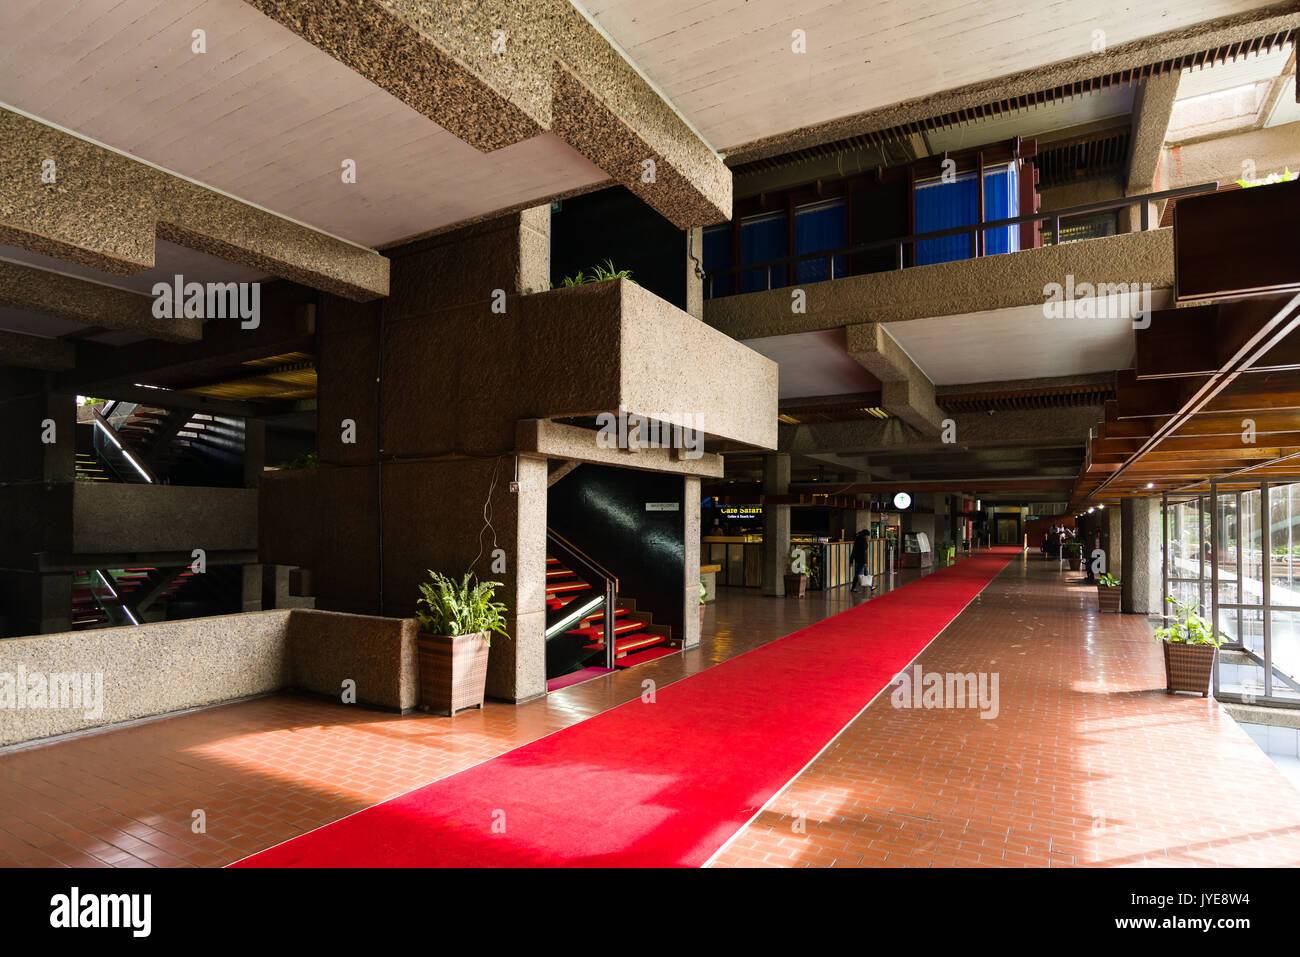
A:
{"x":107,"y":598}
{"x":144,"y":443}
{"x":576,"y":624}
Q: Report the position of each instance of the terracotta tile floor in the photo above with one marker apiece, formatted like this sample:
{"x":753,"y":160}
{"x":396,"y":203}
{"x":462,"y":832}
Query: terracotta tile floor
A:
{"x":266,"y":770}
{"x":1083,"y":764}
{"x":1088,"y":763}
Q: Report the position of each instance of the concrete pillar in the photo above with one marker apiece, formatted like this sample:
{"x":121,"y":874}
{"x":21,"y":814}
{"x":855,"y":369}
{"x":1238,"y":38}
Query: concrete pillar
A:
{"x":251,"y":588}
{"x":1113,"y":535}
{"x":408,"y":495}
{"x":694,"y":265}
{"x":254,"y":451}
{"x":1140,"y":557}
{"x":776,"y":524}
{"x":691,"y":519}
{"x":37,"y":468}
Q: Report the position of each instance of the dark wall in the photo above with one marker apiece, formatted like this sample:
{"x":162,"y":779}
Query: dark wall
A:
{"x":602,"y":510}
{"x":613,"y":224}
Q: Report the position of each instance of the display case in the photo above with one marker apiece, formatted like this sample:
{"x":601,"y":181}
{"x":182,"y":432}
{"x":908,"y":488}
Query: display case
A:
{"x":917,"y":551}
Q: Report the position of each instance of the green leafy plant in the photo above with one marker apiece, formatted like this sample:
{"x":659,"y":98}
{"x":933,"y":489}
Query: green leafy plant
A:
{"x":598,"y":273}
{"x":798,"y":560}
{"x":704,"y":591}
{"x":1188,"y":628}
{"x":1073,"y":546}
{"x":1109,"y":580}
{"x":446,"y":608}
{"x":1284,"y":177}
{"x":305,"y":461}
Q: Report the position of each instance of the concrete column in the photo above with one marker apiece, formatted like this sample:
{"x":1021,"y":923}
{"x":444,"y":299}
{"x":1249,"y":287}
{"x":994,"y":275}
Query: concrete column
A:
{"x":691,"y":519}
{"x":251,"y":589}
{"x":776,"y":524}
{"x":254,"y":451}
{"x":1140,"y":556}
{"x":1114,"y":537}
{"x":37,"y":468}
{"x":694,"y":282}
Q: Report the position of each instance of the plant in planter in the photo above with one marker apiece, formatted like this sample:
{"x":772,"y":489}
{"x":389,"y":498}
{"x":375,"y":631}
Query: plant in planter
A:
{"x":1072,"y":552}
{"x":456,"y":622}
{"x":1108,"y":593}
{"x":704,"y":594}
{"x":1190,"y":650}
{"x":796,"y":573}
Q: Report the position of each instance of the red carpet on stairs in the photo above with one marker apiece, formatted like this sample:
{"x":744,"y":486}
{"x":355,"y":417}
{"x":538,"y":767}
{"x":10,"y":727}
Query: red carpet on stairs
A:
{"x":657,"y":784}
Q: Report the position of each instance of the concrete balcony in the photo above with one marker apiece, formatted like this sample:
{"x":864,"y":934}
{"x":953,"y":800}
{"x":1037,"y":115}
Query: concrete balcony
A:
{"x":114,"y":519}
{"x":1010,"y":281}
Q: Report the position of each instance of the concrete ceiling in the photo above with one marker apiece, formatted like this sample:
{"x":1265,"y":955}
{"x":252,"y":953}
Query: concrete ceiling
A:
{"x":1017,"y":343}
{"x":727,"y":65}
{"x":814,"y":364}
{"x":170,"y":260}
{"x":262,"y":115}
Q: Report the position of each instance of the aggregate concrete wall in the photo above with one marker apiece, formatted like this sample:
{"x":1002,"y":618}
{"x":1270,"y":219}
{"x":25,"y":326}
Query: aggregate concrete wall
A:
{"x":123,"y":674}
{"x":110,"y":517}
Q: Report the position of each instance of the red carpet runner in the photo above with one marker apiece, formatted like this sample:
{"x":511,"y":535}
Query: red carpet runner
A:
{"x":662,"y":784}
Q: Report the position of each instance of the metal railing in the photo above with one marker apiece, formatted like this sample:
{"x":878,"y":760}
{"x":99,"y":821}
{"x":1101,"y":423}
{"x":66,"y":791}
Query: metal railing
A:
{"x":975,"y":231}
{"x":602,"y":593}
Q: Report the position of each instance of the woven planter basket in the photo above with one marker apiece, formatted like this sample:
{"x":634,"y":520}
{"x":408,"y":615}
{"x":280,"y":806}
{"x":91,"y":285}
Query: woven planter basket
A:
{"x":1189,"y":667}
{"x":453,"y":672}
{"x":1108,"y":599}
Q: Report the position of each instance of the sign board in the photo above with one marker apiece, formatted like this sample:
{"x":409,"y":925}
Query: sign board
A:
{"x":662,"y":506}
{"x":741,"y":511}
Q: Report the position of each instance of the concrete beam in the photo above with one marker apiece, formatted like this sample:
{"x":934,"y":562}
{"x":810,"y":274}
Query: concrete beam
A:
{"x":948,"y":289}
{"x":34,"y":352}
{"x":1152,"y":107}
{"x":105,"y":209}
{"x":1029,"y":428}
{"x":555,"y":440}
{"x":1224,"y":31}
{"x":557,"y":73}
{"x":92,"y":303}
{"x":905,"y":391}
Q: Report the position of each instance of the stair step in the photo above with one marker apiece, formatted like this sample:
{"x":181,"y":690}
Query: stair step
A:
{"x":622,"y":645}
{"x":596,"y":632}
{"x":556,"y":588}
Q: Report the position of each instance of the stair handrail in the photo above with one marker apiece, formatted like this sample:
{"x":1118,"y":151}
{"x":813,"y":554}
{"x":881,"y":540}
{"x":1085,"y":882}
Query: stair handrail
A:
{"x":127,"y":453}
{"x":585,"y":566}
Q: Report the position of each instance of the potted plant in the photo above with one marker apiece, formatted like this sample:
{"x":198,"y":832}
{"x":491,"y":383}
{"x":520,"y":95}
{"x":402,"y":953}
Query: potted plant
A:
{"x":1072,"y":553}
{"x":456,"y":622}
{"x":796,"y":578}
{"x":1190,"y":650}
{"x":1108,"y":593}
{"x":704,"y":594}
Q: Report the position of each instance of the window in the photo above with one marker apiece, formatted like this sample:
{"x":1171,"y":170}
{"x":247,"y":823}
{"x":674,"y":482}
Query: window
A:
{"x":819,"y":226}
{"x":941,"y":205}
{"x":762,"y":238}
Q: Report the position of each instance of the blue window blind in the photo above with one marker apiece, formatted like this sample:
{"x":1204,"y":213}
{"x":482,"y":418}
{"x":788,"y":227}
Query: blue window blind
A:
{"x":816,"y":227}
{"x":942,"y":205}
{"x":1001,"y":201}
{"x":717,"y":255}
{"x":762,"y":238}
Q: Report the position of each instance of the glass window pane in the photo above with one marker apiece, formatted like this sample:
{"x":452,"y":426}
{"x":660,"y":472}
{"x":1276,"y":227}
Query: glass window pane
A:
{"x":817,"y":227}
{"x":1285,"y":638}
{"x":762,"y":238}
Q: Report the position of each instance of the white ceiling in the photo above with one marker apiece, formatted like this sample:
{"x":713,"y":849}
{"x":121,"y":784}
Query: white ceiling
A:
{"x":727,"y":65}
{"x":1018,"y":343}
{"x":814,"y":364}
{"x":262,"y":115}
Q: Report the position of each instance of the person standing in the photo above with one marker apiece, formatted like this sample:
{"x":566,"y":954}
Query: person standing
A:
{"x":858,"y":559}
